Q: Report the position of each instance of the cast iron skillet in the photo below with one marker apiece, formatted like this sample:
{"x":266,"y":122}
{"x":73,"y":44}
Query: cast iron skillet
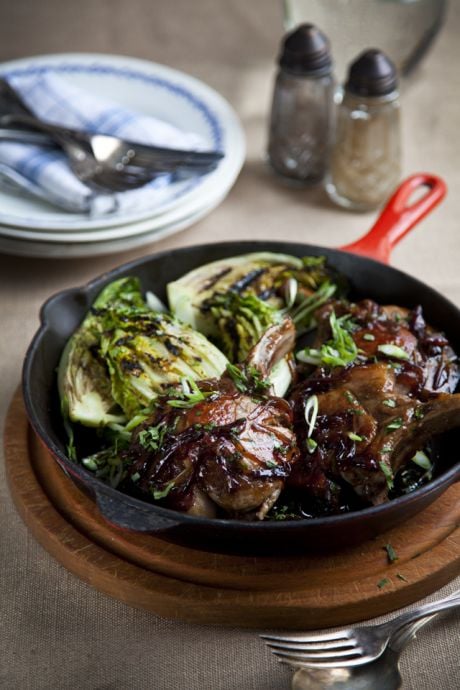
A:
{"x":63,"y":312}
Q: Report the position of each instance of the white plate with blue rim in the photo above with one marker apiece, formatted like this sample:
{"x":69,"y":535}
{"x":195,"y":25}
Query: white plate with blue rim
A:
{"x":117,"y":232}
{"x":151,"y":89}
{"x":78,"y":250}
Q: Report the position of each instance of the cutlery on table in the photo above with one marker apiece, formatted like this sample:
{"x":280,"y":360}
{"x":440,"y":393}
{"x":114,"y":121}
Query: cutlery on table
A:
{"x":99,"y":160}
{"x":352,"y":646}
{"x":380,"y":674}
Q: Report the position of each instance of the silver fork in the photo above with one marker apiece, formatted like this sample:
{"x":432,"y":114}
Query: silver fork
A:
{"x":101,"y":161}
{"x":82,"y":162}
{"x":352,"y":646}
{"x":381,"y":674}
{"x":91,"y":171}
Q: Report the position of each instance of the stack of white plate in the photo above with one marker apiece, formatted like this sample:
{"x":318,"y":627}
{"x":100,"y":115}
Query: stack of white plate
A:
{"x":30,"y":227}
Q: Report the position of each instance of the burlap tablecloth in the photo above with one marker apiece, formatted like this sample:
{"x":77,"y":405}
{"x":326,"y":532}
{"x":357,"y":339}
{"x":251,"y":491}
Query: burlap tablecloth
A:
{"x":56,"y":632}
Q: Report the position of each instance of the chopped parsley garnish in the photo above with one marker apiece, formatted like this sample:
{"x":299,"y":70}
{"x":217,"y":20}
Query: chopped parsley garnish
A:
{"x":271,"y":464}
{"x":247,"y":379}
{"x":152,"y":438}
{"x":282,"y":512}
{"x":391,"y":553}
{"x":383,"y":583}
{"x":389,"y":402}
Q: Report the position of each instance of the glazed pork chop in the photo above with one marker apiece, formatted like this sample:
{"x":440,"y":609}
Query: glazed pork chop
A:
{"x":230,"y":450}
{"x":375,"y":413}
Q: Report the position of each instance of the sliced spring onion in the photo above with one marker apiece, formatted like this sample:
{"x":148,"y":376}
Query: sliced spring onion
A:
{"x":90,"y":464}
{"x":290,"y":292}
{"x":369,"y":337}
{"x":339,"y":351}
{"x":395,"y":424}
{"x":161,"y":493}
{"x":354,"y":437}
{"x":311,"y":445}
{"x":309,"y":356}
{"x":154,"y":302}
{"x":422,"y":460}
{"x":311,"y":413}
{"x":391,"y":350}
{"x":191,"y":393}
{"x":302,"y":315}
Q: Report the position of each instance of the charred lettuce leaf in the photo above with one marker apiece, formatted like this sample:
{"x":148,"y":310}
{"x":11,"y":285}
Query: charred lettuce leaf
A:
{"x":84,"y":383}
{"x":124,"y":354}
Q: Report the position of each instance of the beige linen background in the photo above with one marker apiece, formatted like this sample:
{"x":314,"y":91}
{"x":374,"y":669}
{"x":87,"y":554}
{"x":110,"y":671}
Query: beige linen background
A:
{"x":57,"y":633}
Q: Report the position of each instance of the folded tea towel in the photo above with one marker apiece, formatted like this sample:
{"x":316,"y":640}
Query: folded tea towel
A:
{"x":45,"y":172}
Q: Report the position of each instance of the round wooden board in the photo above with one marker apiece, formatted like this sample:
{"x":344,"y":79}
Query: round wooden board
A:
{"x":295,"y":592}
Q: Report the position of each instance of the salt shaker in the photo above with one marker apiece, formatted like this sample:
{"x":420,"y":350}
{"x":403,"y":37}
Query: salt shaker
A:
{"x":365,"y":162}
{"x":302,"y":112}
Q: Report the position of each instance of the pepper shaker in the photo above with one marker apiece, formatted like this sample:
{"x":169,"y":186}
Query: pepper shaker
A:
{"x":302,"y":111}
{"x":365,"y":162}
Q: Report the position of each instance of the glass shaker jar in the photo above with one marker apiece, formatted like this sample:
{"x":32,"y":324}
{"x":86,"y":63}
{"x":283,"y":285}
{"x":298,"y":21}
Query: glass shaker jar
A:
{"x":302,"y":111}
{"x":365,"y":163}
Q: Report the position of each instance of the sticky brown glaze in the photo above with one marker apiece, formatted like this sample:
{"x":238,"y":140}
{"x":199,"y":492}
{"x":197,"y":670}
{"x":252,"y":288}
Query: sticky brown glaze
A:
{"x":377,"y":325}
{"x":375,"y":413}
{"x":229,"y":454}
{"x":371,"y":420}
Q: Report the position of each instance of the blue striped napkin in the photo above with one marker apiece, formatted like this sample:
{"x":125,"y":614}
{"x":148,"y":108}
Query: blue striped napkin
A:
{"x":46,"y":174}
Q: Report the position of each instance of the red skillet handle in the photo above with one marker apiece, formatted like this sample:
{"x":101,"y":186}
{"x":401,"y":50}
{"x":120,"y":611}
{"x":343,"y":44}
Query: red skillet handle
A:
{"x":397,"y":218}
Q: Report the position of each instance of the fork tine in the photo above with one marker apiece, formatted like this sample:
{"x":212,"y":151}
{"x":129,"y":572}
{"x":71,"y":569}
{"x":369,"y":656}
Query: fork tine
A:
{"x":321,"y":656}
{"x":313,"y":646}
{"x":328,"y":637}
{"x":343,"y":663}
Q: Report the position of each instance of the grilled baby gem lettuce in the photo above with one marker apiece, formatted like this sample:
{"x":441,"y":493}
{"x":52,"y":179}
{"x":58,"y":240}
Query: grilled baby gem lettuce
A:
{"x":234,"y":301}
{"x":124,"y":355}
{"x":146,"y":352}
{"x":84,"y":383}
{"x":265,"y":275}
